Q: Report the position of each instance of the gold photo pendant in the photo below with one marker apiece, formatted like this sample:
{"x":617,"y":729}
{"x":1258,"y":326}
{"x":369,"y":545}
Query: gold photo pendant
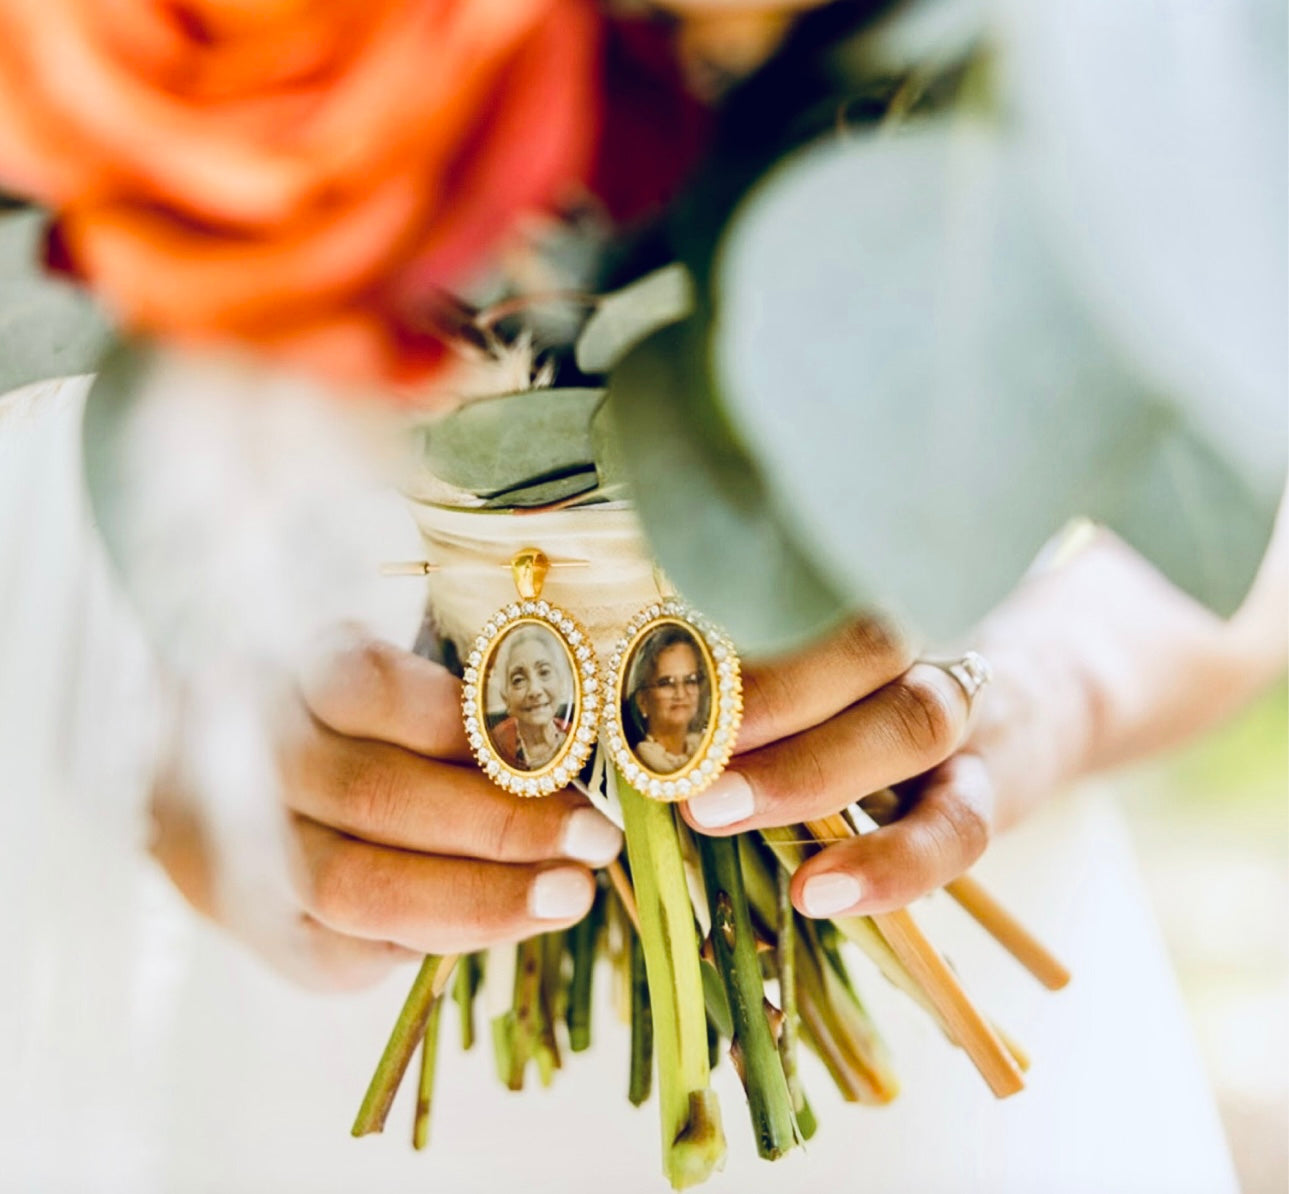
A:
{"x":531,"y":701}
{"x":676,"y":701}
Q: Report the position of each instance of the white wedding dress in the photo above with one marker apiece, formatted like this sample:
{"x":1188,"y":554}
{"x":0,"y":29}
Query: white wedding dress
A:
{"x":142,"y":1051}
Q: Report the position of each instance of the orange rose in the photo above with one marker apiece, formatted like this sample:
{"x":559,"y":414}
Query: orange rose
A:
{"x":302,"y":177}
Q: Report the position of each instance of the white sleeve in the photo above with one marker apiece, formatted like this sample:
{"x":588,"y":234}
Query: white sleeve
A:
{"x":80,"y":707}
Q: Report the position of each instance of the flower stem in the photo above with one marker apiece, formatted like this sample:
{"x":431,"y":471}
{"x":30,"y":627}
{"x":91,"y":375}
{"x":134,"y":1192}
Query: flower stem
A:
{"x":425,"y":1087}
{"x":583,"y":940}
{"x":466,"y":987}
{"x":693,"y":1142}
{"x":409,"y":1031}
{"x":769,"y":1101}
{"x":785,"y":950}
{"x":641,"y":1078}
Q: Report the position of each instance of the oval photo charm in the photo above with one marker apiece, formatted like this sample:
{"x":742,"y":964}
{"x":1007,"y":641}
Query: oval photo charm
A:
{"x":531,"y":699}
{"x":677,"y":702}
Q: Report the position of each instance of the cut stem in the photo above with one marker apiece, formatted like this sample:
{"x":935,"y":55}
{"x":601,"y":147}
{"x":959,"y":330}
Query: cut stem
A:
{"x":1013,"y":936}
{"x":693,"y":1142}
{"x":784,"y":950}
{"x":408,"y":1033}
{"x":923,"y":962}
{"x":583,"y":939}
{"x":641,"y":1077}
{"x":425,"y":1087}
{"x":469,"y":974}
{"x":769,"y":1101}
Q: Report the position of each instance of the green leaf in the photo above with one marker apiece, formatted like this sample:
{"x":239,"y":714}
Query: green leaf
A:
{"x":48,"y":328}
{"x":929,"y":399}
{"x":495,"y":445}
{"x":544,"y":493}
{"x":707,"y":512}
{"x":627,"y":316}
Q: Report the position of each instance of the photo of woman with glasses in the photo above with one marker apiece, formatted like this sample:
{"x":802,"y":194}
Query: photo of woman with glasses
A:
{"x":669,"y":701}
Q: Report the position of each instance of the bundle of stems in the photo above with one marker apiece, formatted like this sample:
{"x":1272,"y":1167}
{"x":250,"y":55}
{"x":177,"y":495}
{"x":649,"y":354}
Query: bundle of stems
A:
{"x":709,"y":960}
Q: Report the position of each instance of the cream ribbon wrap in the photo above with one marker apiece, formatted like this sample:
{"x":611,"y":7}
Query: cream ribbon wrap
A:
{"x":613,"y":580}
{"x":473,"y":549}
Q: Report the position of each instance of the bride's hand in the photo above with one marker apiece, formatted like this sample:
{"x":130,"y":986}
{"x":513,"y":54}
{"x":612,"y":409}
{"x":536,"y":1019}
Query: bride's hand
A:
{"x":397,"y":842}
{"x":848,"y":717}
{"x":1095,"y":663}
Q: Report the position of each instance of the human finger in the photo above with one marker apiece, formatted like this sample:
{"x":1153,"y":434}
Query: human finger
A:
{"x":945,"y":830}
{"x":303,"y":949}
{"x":390,"y":796}
{"x":785,"y":696}
{"x":330,"y":961}
{"x":431,"y":904}
{"x":365,"y":688}
{"x":900,"y":731}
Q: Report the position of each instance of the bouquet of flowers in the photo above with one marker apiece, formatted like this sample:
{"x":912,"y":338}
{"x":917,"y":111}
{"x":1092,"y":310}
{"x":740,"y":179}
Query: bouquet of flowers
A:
{"x":815,"y":265}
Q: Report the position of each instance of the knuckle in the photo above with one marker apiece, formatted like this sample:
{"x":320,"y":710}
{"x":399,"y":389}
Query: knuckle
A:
{"x":376,"y":795}
{"x":928,"y":722}
{"x":801,"y":766}
{"x":371,"y":672}
{"x":970,"y":820}
{"x":767,"y":695}
{"x":506,"y":831}
{"x":867,"y":640}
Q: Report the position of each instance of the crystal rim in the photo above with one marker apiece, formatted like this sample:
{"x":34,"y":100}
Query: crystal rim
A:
{"x":714,"y":754}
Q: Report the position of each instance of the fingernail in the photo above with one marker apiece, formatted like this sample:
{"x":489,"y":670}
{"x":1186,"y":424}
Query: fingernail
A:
{"x":728,"y":800}
{"x":830,"y":893}
{"x":560,"y":894}
{"x":591,"y":837}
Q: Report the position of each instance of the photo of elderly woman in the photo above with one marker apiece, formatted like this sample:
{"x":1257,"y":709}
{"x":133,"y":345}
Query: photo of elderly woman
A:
{"x":669,"y":699}
{"x":529,"y":686}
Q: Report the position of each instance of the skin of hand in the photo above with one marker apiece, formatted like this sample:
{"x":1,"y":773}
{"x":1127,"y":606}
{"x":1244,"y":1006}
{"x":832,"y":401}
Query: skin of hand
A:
{"x":402,"y":845}
{"x":1095,"y":663}
{"x":398,"y":845}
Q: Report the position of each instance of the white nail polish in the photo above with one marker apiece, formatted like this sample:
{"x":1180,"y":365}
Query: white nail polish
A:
{"x":560,"y":894}
{"x":726,"y":802}
{"x":830,"y":893}
{"x":591,"y":837}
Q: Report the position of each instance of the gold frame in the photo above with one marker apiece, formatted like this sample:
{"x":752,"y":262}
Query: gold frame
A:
{"x":724,"y":716}
{"x":583,"y":733}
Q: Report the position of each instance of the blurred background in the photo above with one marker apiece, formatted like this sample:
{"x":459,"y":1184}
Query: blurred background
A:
{"x":1212,"y":831}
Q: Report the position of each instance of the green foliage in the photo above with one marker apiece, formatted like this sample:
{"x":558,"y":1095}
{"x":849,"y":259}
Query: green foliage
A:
{"x":496,"y":445}
{"x":708,"y":514}
{"x":929,"y":400}
{"x":625,"y":318}
{"x":917,"y":350}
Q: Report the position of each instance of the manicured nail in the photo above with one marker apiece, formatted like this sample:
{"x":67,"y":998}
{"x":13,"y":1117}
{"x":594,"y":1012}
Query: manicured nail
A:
{"x":830,"y":893}
{"x":589,"y":836}
{"x":560,"y":894}
{"x":728,"y":800}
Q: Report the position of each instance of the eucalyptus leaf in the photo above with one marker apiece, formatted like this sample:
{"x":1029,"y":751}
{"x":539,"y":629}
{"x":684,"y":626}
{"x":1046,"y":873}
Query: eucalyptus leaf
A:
{"x":611,"y":460}
{"x":495,"y":445}
{"x":545,"y":493}
{"x":929,"y":398}
{"x":707,"y":515}
{"x":1159,"y":147}
{"x":624,"y":318}
{"x":48,"y":328}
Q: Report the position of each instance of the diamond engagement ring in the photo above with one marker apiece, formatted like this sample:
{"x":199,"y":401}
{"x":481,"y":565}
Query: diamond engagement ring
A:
{"x":971,"y":671}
